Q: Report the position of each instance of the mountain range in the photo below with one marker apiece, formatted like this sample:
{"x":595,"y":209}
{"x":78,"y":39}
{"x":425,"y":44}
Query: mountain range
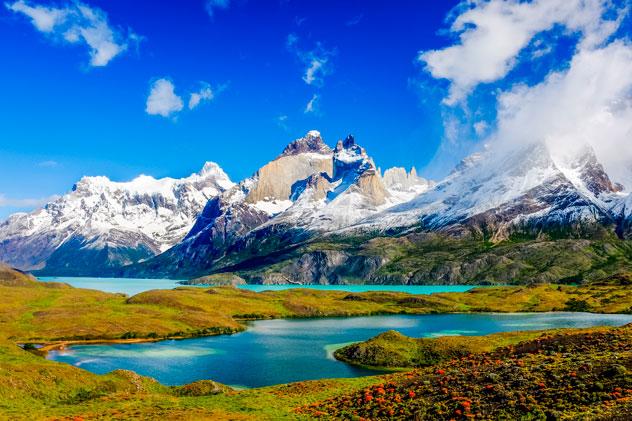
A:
{"x":317,"y":214}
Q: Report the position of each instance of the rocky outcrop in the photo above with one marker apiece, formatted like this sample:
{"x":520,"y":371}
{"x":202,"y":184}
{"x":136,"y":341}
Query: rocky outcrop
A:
{"x":592,"y":174}
{"x":311,"y":143}
{"x":397,"y":179}
{"x":275,"y":180}
{"x":321,"y":267}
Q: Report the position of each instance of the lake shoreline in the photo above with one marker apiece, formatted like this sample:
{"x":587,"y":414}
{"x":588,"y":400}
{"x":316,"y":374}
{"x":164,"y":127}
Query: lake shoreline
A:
{"x":286,"y":343}
{"x":191,"y":312}
{"x":47,"y":346}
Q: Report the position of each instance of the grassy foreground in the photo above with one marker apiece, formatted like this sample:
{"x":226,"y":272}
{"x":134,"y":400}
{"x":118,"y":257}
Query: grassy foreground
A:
{"x":34,"y":388}
{"x":574,"y":375}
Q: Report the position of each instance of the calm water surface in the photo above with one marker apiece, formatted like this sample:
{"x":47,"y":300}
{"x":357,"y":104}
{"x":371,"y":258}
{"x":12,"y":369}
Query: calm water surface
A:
{"x":132,"y":286}
{"x":281,"y":351}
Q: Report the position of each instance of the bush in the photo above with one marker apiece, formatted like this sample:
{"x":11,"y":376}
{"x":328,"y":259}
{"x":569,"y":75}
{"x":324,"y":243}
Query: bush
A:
{"x":577,"y":305}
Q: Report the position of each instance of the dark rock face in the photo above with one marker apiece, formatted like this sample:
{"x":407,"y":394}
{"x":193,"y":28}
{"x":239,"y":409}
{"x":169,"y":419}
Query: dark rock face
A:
{"x":594,"y":176}
{"x":312,"y":143}
{"x":218,"y":227}
{"x":323,"y":267}
{"x":77,"y":256}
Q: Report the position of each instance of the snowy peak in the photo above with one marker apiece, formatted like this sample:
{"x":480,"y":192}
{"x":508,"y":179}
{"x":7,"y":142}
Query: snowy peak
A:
{"x":354,"y":170}
{"x":329,"y":200}
{"x":349,"y":156}
{"x":143,"y":217}
{"x":586,"y":172}
{"x":210,"y":177}
{"x":312,"y":142}
{"x":502,"y":189}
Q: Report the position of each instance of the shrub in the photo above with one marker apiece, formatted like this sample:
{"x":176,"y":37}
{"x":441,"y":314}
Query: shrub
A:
{"x":577,"y":305}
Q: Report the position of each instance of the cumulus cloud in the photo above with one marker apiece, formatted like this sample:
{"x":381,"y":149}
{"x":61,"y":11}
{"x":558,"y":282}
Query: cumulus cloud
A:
{"x":162,"y":99}
{"x":78,"y":23}
{"x":204,"y":94}
{"x":312,"y":104}
{"x":213,"y":5}
{"x":317,"y":61}
{"x":491,"y":34}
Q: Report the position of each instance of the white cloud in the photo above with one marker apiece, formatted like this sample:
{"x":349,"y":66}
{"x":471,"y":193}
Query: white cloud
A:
{"x":493,"y":33}
{"x":480,"y":128}
{"x":162,"y":99}
{"x":312,"y":104}
{"x":77,"y":23}
{"x":589,"y":103}
{"x":25,"y":203}
{"x":213,"y":5}
{"x":43,"y":18}
{"x":204,"y":94}
{"x":314,"y":70}
{"x":317,"y":61}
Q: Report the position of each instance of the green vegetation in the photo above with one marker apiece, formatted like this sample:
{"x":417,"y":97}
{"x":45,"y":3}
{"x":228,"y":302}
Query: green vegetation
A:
{"x":40,"y":313}
{"x":393,"y":350}
{"x":584,"y":374}
{"x":218,"y":279}
{"x":32,"y":387}
{"x":432,"y":258}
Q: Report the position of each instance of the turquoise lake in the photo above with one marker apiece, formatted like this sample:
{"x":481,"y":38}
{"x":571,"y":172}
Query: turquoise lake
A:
{"x":287,"y":350}
{"x":131,"y":286}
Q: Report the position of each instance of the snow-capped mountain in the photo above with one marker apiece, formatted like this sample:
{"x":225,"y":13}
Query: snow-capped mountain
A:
{"x":311,"y":195}
{"x":530,"y":193}
{"x":247,"y":205}
{"x":525,"y":187}
{"x":307,"y":190}
{"x":354,"y":190}
{"x":103,"y":223}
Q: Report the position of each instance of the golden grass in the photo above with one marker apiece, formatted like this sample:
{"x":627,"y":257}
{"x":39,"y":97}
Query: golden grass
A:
{"x":37,"y":312}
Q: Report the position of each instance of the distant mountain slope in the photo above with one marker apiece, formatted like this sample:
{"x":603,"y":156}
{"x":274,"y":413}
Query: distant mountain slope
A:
{"x":102,"y":223}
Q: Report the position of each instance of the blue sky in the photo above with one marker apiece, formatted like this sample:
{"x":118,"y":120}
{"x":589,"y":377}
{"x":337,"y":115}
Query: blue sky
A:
{"x":256,"y":65}
{"x":63,"y":118}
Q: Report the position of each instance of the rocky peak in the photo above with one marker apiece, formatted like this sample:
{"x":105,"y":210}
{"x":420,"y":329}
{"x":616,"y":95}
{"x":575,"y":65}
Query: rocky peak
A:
{"x":312,"y":142}
{"x":592,"y":173}
{"x":350,"y":158}
{"x":349,"y":148}
{"x":300,"y":159}
{"x":397,"y":178}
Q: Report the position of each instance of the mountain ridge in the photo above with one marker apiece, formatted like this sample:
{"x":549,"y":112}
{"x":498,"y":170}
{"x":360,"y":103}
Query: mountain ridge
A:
{"x":314,"y":214}
{"x":102,"y":223}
